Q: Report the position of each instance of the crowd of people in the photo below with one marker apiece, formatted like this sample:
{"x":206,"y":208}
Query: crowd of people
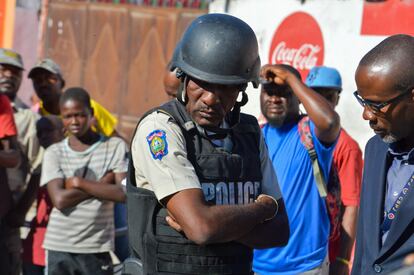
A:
{"x":209,"y":189}
{"x":73,"y":223}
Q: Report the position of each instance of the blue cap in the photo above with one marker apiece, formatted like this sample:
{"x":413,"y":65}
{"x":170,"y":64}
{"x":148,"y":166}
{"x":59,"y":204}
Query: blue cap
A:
{"x":324,"y":77}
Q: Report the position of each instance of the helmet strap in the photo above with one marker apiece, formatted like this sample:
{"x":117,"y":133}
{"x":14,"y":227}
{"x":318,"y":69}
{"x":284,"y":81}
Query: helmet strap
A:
{"x":234,"y":116}
{"x":182,"y":89}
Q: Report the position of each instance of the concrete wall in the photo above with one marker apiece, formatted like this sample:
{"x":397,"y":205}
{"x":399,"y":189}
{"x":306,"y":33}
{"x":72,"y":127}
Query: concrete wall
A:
{"x":341,"y":22}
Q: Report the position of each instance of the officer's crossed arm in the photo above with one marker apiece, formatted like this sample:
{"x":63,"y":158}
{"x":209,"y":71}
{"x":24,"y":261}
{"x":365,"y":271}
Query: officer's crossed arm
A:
{"x":323,"y":115}
{"x":160,"y":160}
{"x":274,"y":232}
{"x":206,"y":224}
{"x":270,"y":233}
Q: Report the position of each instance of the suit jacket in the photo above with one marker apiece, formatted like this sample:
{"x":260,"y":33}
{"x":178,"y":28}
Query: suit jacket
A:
{"x":371,"y":256}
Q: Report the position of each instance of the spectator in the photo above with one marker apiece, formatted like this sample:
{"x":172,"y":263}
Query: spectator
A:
{"x":48,"y":83}
{"x":49,"y":131}
{"x":11,"y":66}
{"x":385,"y":82}
{"x":9,"y":157}
{"x":281,"y":92}
{"x":171,"y":82}
{"x":83,"y":174}
{"x":347,"y":161}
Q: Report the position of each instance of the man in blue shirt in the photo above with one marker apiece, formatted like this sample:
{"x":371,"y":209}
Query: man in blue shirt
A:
{"x":282,"y":92}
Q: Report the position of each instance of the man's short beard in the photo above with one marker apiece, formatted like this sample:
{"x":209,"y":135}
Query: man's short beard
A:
{"x":10,"y":94}
{"x":390,"y":138}
{"x":277,"y":122}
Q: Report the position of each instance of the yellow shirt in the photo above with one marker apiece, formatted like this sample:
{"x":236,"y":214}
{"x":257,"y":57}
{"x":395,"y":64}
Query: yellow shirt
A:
{"x":105,"y":121}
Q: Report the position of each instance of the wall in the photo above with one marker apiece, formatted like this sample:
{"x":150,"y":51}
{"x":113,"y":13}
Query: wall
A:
{"x":341,"y":22}
{"x":117,"y":52}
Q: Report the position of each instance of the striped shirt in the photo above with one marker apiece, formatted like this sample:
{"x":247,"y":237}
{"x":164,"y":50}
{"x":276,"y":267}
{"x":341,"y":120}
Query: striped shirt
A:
{"x":87,"y":227}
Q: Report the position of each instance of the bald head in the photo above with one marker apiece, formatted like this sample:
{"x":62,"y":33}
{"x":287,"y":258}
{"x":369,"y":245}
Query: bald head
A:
{"x":385,"y":82}
{"x":393,"y":57}
{"x":171,"y":83}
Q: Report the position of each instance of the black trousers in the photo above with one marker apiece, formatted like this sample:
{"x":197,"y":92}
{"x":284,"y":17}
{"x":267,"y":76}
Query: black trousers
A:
{"x":10,"y":258}
{"x":64,"y":263}
{"x":32,"y":269}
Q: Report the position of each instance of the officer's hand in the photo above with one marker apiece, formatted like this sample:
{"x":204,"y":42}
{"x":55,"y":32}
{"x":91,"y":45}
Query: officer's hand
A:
{"x":173,"y":223}
{"x":270,"y":205}
{"x":108,"y":178}
{"x":72,"y":182}
{"x":276,"y":74}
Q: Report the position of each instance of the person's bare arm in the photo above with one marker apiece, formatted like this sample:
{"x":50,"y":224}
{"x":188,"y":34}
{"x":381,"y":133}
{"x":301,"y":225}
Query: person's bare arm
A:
{"x":206,"y":224}
{"x":326,"y":120}
{"x":18,"y":213}
{"x":10,"y":155}
{"x":348,"y":232}
{"x":271,"y":233}
{"x":64,"y":198}
{"x":107,"y":188}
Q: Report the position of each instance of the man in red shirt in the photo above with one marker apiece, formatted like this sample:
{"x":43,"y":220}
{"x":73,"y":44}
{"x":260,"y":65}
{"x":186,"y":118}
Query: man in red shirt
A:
{"x":347,"y":159}
{"x":9,"y":157}
{"x":23,"y":180}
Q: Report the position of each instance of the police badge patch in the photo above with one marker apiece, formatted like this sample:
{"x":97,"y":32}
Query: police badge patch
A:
{"x":158,"y":145}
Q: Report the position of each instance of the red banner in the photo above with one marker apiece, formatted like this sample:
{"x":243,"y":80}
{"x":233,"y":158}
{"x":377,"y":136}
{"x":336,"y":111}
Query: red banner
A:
{"x":388,"y":17}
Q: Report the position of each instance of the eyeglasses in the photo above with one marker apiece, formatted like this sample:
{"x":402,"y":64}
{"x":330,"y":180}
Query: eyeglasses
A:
{"x":377,"y":106}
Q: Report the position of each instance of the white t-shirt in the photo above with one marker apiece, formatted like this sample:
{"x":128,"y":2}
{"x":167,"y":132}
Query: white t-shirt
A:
{"x":87,"y":227}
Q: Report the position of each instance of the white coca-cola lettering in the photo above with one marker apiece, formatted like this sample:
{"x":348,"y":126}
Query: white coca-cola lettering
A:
{"x":303,"y":58}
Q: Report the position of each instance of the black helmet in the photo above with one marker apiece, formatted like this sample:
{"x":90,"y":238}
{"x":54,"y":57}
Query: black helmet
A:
{"x":220,"y":49}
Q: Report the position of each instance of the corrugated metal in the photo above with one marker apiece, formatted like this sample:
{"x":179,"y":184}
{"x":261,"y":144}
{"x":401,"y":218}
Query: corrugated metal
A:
{"x":117,"y":52}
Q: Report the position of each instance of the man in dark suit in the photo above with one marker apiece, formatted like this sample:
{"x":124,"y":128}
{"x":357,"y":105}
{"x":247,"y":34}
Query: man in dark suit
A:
{"x":385,"y":81}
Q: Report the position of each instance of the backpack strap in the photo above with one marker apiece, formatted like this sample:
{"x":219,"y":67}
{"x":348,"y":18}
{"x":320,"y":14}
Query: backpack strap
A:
{"x":306,"y":139}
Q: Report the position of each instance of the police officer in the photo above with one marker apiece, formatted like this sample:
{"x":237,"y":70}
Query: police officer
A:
{"x":202,"y":192}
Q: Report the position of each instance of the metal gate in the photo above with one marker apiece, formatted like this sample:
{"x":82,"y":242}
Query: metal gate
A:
{"x":118,"y":53}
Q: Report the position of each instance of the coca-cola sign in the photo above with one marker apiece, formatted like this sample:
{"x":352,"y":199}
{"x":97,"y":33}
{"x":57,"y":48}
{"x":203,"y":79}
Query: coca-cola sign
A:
{"x":298,"y":42}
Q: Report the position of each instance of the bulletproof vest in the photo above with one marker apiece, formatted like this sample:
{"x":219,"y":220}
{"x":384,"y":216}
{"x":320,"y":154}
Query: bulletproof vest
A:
{"x":229,"y":175}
